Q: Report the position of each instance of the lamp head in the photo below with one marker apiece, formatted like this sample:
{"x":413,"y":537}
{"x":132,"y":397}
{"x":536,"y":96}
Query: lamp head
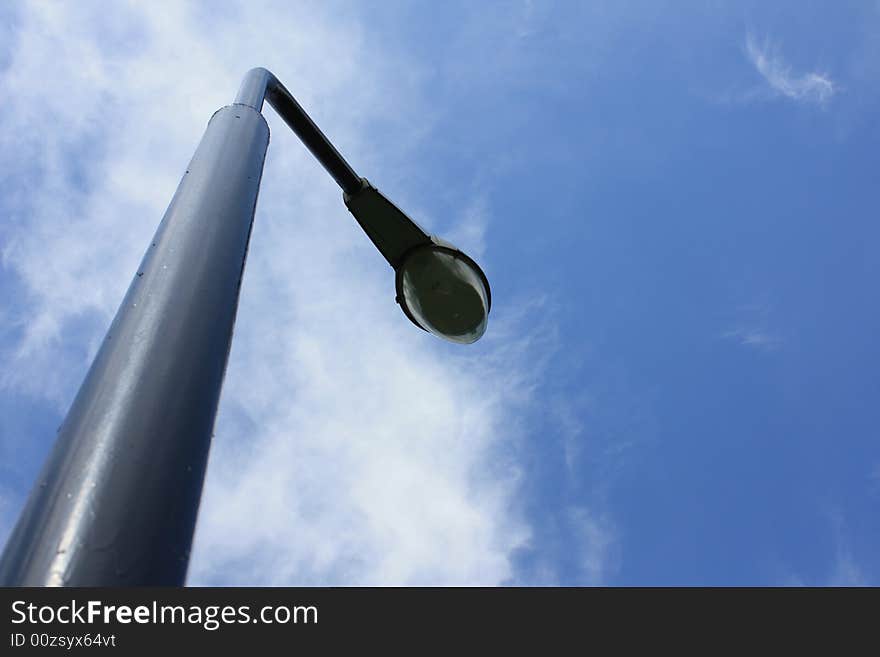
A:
{"x":444,"y":292}
{"x":439,"y":288}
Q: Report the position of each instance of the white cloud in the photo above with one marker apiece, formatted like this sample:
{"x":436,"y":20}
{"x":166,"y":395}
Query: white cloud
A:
{"x":751,"y":325}
{"x":847,"y":572}
{"x":350,"y":447}
{"x":812,"y":87}
{"x":752,"y":337}
{"x":844,"y":569}
{"x":596,"y":547}
{"x":469,"y":233}
{"x":581,"y":547}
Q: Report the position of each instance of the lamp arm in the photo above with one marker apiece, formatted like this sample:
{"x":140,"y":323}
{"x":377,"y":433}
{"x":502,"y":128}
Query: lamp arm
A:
{"x":260,"y":84}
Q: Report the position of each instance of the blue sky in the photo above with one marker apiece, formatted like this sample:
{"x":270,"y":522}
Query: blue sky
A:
{"x":675,"y":203}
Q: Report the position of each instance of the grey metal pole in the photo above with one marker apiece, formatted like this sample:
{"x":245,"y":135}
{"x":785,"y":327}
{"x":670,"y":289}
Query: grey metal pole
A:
{"x":116,"y":501}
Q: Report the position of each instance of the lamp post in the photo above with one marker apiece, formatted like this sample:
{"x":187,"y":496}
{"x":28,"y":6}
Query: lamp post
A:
{"x":116,"y":501}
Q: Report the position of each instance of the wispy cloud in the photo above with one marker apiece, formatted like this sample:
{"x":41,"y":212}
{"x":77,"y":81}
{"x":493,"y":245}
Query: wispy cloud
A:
{"x":847,"y":570}
{"x":579,"y":546}
{"x":751,"y":326}
{"x":597,"y":546}
{"x":750,"y":337}
{"x":469,"y":233}
{"x":811,"y":87}
{"x":844,"y":568}
{"x":874,"y":479}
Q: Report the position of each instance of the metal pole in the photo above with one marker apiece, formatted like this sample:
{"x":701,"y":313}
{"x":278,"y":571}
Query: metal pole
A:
{"x":116,"y":502}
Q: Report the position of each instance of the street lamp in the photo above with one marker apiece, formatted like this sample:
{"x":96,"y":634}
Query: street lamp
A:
{"x":117,"y":499}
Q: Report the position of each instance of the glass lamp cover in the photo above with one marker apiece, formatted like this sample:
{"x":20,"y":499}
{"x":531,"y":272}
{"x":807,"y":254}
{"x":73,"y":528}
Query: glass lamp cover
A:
{"x":445,"y":294}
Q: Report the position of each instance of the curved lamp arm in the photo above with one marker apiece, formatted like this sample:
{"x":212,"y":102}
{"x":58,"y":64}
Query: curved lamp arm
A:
{"x":390,"y":229}
{"x":439,"y":288}
{"x":260,"y":84}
